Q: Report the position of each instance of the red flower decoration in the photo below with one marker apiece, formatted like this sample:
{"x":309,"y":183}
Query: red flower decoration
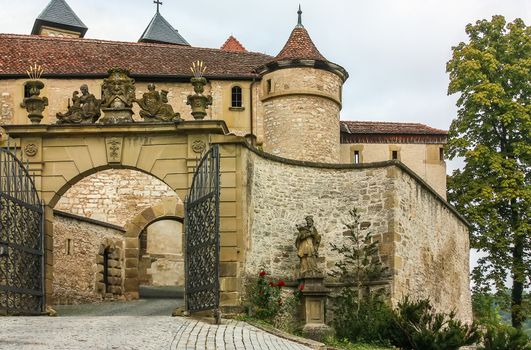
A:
{"x":281,"y":283}
{"x":301,"y":287}
{"x":263,"y":273}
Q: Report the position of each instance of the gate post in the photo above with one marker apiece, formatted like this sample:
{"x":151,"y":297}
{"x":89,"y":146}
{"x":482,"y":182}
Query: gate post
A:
{"x":48,"y":257}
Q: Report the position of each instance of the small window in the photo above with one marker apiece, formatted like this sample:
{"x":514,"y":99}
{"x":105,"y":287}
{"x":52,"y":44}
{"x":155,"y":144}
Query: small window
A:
{"x":441,"y":154}
{"x":269,"y":87}
{"x":68,"y":247}
{"x":394,"y":155}
{"x":236,"y":98}
{"x":357,"y":157}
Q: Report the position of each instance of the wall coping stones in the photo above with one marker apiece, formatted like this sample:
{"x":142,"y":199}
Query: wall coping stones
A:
{"x":88,"y":220}
{"x":50,"y":130}
{"x":373,"y":165}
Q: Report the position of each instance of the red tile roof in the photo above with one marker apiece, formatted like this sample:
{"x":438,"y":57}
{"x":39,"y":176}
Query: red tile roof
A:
{"x":389,"y":132}
{"x":299,"y":46}
{"x":88,"y":57}
{"x":363,"y":127}
{"x":232,"y":44}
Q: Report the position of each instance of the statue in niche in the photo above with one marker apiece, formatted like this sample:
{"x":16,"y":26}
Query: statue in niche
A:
{"x":307,"y":244}
{"x":155,"y":106}
{"x":85,"y":109}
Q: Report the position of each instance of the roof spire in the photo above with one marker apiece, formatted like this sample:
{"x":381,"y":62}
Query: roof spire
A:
{"x":299,"y":23}
{"x":158,"y":2}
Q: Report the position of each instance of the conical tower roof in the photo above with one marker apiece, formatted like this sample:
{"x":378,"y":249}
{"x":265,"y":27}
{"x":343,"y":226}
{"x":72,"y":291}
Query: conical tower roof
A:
{"x":60,"y":15}
{"x":160,"y":30}
{"x":299,"y":45}
{"x":300,"y":51}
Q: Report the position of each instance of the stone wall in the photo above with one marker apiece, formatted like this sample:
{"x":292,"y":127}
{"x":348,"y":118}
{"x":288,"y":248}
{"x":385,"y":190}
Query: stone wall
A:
{"x":431,"y":250}
{"x":301,"y":114}
{"x":402,"y":214}
{"x":281,"y":195}
{"x":114,"y":196}
{"x":76,"y":246}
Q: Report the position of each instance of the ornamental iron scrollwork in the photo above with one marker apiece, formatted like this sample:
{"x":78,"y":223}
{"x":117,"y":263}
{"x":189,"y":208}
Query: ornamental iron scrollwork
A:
{"x":21,"y":239}
{"x":202,"y":236}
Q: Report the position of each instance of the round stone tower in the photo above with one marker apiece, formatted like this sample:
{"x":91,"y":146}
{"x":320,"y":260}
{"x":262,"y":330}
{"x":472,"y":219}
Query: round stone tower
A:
{"x":301,"y":96}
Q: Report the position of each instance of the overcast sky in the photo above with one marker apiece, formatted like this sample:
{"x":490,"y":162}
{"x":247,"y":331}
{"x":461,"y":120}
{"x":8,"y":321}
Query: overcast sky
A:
{"x":394,"y":50}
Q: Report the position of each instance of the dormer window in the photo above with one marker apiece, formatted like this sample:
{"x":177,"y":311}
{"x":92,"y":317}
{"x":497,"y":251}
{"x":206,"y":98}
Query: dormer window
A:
{"x":236,"y":97}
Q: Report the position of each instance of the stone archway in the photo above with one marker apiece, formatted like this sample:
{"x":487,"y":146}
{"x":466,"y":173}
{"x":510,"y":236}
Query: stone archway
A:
{"x":169,"y":208}
{"x":61,"y":155}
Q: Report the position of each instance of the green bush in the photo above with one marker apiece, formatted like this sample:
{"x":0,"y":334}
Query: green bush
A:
{"x":361,"y":321}
{"x":416,"y":326}
{"x":503,"y":337}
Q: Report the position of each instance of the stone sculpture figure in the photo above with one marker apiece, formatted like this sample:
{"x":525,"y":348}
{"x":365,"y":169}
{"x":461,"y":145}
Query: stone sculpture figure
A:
{"x":307,"y":243}
{"x":155,"y":106}
{"x":118,"y":97}
{"x":85,"y":109}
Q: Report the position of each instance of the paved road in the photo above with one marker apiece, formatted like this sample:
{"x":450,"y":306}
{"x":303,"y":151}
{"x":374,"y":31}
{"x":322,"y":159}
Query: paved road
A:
{"x":141,"y":307}
{"x":133,"y":333}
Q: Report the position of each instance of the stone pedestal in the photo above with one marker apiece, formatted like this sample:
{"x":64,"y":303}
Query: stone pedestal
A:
{"x":314,"y":308}
{"x":117,"y":116}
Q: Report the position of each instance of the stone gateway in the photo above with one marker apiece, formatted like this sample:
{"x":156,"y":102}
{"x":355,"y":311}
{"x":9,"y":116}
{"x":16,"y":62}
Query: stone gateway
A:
{"x":116,"y":160}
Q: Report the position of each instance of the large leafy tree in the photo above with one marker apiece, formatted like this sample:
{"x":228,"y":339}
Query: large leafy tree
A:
{"x":491,"y":74}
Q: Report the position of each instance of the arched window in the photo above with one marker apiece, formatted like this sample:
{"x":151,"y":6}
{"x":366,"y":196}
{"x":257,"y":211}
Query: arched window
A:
{"x":236,"y":97}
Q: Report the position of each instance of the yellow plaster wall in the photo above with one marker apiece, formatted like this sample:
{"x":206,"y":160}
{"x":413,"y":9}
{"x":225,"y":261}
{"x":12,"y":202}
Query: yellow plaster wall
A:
{"x":58,"y":91}
{"x":423,"y":159}
{"x":60,"y":33}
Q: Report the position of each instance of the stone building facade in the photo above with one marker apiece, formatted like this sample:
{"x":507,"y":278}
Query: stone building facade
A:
{"x":312,"y":163}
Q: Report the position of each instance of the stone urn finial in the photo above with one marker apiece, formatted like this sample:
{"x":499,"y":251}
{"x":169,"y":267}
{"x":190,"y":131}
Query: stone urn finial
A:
{"x":198,"y":101}
{"x":34,"y":104}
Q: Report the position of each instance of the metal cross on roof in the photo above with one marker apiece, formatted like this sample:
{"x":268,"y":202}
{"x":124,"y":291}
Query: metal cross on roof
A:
{"x":158,"y":4}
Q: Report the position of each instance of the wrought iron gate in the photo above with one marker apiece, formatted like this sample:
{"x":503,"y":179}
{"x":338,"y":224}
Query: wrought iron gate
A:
{"x":202,"y":236}
{"x":21,"y":239}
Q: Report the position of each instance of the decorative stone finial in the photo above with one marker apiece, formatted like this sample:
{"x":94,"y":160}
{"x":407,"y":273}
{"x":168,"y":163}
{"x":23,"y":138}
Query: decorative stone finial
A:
{"x":198,"y":101}
{"x":34,"y":104}
{"x":299,"y":23}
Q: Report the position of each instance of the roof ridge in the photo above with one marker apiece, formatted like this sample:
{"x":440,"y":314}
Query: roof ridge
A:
{"x":374,"y":123}
{"x":114,"y":42}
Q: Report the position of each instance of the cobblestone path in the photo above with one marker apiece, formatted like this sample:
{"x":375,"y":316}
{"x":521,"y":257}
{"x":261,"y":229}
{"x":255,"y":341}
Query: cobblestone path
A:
{"x":133,"y":333}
